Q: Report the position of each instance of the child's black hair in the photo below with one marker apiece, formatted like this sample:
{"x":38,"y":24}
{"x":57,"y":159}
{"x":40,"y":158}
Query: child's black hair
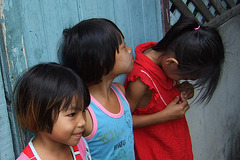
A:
{"x":43,"y":91}
{"x":91,"y":46}
{"x":199,"y":51}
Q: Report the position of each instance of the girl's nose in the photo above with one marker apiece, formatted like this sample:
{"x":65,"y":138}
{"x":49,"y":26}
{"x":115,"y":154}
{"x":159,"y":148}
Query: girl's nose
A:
{"x":81,"y":120}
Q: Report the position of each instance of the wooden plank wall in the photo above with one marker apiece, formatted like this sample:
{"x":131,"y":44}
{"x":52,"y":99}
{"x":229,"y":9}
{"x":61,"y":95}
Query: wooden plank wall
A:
{"x":30,"y":34}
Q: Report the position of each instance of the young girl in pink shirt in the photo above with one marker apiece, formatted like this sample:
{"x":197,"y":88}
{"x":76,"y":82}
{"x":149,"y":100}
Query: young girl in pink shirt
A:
{"x":51,"y":101}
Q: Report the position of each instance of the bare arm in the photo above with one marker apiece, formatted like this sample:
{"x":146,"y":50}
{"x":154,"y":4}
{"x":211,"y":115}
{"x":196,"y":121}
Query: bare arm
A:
{"x":174,"y":110}
{"x":135,"y":93}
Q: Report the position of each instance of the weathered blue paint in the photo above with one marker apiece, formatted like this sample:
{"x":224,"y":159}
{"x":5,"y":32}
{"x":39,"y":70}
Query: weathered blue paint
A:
{"x":31,"y":32}
{"x":12,"y":63}
{"x":6,"y":143}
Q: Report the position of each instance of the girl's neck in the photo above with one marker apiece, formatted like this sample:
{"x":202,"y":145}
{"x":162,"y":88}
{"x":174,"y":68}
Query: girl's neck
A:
{"x":155,"y":56}
{"x":48,"y":149}
{"x":103,"y":93}
{"x":101,"y":89}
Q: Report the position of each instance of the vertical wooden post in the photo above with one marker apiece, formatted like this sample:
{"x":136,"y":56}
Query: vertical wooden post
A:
{"x":165,"y":16}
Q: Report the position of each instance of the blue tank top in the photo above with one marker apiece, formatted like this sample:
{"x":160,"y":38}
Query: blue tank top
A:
{"x":112,"y":135}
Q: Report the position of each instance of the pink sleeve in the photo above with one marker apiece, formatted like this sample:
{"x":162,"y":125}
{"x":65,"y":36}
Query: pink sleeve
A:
{"x":22,"y":157}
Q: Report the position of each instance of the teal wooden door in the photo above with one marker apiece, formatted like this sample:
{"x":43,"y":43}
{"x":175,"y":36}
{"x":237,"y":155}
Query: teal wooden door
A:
{"x":31,"y":31}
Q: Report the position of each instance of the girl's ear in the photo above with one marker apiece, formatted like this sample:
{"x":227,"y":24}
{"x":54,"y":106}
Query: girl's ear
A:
{"x":171,"y":61}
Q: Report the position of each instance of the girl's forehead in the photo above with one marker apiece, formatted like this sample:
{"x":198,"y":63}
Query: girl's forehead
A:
{"x":73,"y":103}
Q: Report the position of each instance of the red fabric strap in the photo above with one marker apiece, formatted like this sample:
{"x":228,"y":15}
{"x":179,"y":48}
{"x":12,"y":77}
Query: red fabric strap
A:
{"x":28,"y":152}
{"x":77,"y":153}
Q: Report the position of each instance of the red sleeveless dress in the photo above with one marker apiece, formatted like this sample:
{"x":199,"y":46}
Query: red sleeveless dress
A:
{"x":165,"y":141}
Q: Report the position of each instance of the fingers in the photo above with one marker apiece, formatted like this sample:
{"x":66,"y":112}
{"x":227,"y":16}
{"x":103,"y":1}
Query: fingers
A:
{"x":185,"y":105}
{"x":176,"y":109}
{"x":176,"y":100}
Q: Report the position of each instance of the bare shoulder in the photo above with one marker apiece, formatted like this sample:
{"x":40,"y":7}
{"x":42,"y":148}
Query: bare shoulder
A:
{"x":136,"y":93}
{"x":137,"y":86}
{"x":120,"y":86}
{"x":89,"y":124}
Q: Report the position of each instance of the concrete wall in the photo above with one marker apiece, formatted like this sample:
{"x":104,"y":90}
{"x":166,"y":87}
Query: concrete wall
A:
{"x":215,"y":128}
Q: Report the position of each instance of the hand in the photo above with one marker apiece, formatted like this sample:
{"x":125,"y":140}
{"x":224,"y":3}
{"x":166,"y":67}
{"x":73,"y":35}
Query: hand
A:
{"x":186,"y":89}
{"x":176,"y":109}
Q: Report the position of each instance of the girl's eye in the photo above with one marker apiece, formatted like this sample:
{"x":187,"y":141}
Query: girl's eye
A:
{"x":71,"y":114}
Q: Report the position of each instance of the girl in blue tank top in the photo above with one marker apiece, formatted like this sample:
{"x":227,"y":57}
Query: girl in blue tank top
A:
{"x":96,"y":51}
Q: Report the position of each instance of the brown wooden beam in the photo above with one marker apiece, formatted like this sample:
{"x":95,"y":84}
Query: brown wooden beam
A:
{"x":218,"y":6}
{"x":165,"y":16}
{"x":230,"y":3}
{"x":203,"y":9}
{"x":183,"y":9}
{"x":219,"y":20}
